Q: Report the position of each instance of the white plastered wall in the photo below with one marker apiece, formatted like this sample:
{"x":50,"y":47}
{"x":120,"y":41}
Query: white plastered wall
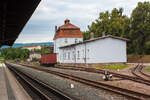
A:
{"x":108,"y":50}
{"x":59,"y":42}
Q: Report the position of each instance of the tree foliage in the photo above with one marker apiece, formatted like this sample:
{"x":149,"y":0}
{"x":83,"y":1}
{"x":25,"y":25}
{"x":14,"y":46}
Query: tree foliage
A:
{"x":15,"y":53}
{"x":110,"y":23}
{"x":45,"y":49}
{"x":140,"y":28}
{"x":136,"y":28}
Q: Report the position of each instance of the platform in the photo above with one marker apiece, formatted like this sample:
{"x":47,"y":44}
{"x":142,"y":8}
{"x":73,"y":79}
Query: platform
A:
{"x":10,"y":89}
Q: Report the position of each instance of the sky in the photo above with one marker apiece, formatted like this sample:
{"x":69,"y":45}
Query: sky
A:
{"x":41,"y":26}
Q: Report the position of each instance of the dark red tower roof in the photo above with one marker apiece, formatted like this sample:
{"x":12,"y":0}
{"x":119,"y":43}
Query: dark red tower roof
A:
{"x":67,"y":30}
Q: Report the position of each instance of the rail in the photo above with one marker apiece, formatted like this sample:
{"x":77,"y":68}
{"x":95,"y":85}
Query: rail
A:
{"x":44,"y":91}
{"x":122,"y":91}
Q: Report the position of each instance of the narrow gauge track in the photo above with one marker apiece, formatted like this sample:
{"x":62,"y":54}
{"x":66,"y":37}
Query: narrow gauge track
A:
{"x":132,"y":78}
{"x":125,"y":92}
{"x":37,"y":89}
{"x":138,"y":70}
{"x":141,"y":71}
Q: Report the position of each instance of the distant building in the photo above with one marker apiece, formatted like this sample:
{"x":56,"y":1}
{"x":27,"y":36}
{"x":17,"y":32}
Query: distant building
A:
{"x":65,"y":35}
{"x":35,"y":55}
{"x":32,"y":47}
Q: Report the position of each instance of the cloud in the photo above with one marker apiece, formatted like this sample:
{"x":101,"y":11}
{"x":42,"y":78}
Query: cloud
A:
{"x":81,"y":13}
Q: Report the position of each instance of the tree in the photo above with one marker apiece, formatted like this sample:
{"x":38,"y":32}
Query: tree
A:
{"x":15,"y":53}
{"x":114,"y":23}
{"x":140,"y":28}
{"x":136,"y":28}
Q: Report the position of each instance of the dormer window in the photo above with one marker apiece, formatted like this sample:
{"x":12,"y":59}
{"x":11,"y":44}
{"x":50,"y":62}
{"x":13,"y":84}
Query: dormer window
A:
{"x":66,"y":40}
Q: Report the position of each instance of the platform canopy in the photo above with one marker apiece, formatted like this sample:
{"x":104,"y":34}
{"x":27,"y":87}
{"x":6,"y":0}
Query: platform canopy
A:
{"x":14,"y":14}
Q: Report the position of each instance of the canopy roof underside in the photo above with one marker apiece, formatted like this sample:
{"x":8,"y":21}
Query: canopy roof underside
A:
{"x":14,"y":14}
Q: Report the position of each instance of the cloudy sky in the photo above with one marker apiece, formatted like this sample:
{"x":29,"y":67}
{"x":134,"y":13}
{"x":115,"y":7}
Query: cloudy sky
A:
{"x":40,"y":28}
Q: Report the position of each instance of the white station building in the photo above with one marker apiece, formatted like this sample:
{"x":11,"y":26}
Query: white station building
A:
{"x":72,"y":49}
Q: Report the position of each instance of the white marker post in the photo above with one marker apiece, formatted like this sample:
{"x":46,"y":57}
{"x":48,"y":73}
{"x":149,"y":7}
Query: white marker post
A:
{"x":72,"y":86}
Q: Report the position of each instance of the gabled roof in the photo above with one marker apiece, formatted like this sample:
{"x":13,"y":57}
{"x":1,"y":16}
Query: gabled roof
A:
{"x":67,"y":30}
{"x":95,"y":39}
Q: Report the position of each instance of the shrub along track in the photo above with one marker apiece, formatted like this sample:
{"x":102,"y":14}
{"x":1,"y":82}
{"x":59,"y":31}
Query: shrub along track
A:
{"x":125,"y":92}
{"x":37,"y":90}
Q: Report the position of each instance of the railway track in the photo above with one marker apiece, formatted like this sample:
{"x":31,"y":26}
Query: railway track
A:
{"x":100,"y":71}
{"x":125,"y":92}
{"x":37,"y":89}
{"x":137,"y":71}
{"x":141,"y":71}
{"x":132,"y":78}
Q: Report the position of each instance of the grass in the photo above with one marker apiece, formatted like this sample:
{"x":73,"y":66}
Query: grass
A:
{"x":35,"y":63}
{"x":148,"y":69}
{"x":112,"y":66}
{"x":1,"y":59}
{"x":116,"y":66}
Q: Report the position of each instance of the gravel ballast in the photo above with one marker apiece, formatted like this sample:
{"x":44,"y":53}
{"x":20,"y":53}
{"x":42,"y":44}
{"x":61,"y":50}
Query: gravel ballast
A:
{"x":62,"y":84}
{"x":80,"y":91}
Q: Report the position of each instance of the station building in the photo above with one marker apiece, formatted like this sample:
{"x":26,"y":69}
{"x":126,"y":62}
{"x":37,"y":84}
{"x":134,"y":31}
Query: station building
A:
{"x":65,"y":35}
{"x":70,"y":47}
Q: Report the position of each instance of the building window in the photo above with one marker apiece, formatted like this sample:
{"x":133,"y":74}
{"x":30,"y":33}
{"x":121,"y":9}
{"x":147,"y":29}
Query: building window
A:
{"x":60,"y":57}
{"x":78,"y":54}
{"x":88,"y":53}
{"x":68,"y":55}
{"x":64,"y":56}
{"x":66,"y":40}
{"x":76,"y":40}
{"x":83,"y":53}
{"x":73,"y":56}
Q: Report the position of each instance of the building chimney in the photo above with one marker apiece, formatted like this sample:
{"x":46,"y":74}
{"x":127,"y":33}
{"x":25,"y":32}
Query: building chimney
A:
{"x":55,"y":29}
{"x":67,"y":21}
{"x":91,"y":35}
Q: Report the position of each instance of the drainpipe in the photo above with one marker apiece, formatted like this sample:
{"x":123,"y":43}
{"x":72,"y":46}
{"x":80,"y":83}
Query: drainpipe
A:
{"x":63,"y":56}
{"x":85,"y":54}
{"x":75,"y":55}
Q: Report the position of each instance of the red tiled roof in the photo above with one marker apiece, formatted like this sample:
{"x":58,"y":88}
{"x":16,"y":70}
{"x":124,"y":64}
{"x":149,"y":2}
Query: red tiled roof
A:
{"x":67,"y":30}
{"x":68,"y":26}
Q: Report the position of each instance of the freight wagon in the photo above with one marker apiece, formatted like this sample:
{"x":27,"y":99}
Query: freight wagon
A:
{"x":48,"y":59}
